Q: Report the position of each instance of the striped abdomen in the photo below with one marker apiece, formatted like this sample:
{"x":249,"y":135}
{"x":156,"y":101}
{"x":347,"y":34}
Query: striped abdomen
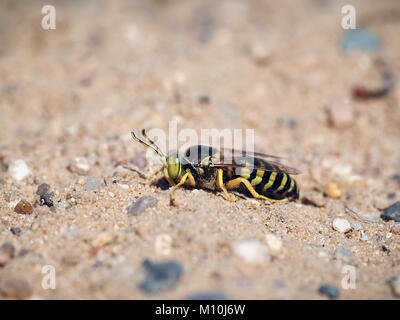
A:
{"x":275,"y":185}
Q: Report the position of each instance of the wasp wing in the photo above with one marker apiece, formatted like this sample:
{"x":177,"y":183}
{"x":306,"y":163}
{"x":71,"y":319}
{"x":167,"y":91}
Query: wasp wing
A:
{"x":242,"y":159}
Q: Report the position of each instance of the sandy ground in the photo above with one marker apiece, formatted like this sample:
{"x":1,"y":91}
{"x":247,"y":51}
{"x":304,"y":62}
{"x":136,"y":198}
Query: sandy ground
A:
{"x":111,"y":67}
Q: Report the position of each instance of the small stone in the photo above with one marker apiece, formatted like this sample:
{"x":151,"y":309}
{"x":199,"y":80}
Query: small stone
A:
{"x":79,"y":165}
{"x":6,"y":253}
{"x":396,"y":228}
{"x":204,"y":99}
{"x":23,"y":207}
{"x":19,"y":170}
{"x":42,"y":189}
{"x":333,"y":190}
{"x":207,"y":296}
{"x":329,"y":290}
{"x":92,"y":183}
{"x":392,"y":212}
{"x":103,"y":239}
{"x":46,"y":199}
{"x":314,"y":198}
{"x":260,"y":53}
{"x":15,"y":230}
{"x":250,"y":251}
{"x":141,"y":205}
{"x":16,"y":288}
{"x":395,"y":285}
{"x":364,"y":236}
{"x":360,"y":39}
{"x":343,"y":254}
{"x":163,"y":244}
{"x":341,"y":225}
{"x":273,"y":242}
{"x":341,"y":114}
{"x":160,"y":277}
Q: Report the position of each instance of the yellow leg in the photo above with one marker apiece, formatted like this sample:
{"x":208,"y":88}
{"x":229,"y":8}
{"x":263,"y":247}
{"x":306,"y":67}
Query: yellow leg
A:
{"x":192,"y":183}
{"x":220,"y":184}
{"x":233,"y":184}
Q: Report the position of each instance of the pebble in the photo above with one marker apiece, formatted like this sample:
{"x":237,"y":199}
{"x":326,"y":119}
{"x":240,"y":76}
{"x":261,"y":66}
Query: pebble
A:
{"x":45,"y":199}
{"x":392,"y":212}
{"x":163,"y":244}
{"x":207,"y":296}
{"x":260,"y":53}
{"x":160,"y":277}
{"x":395,"y":285}
{"x":251,"y":251}
{"x":79,"y":165}
{"x":341,"y":114}
{"x":19,"y":170}
{"x":273,"y":242}
{"x":364,"y":236}
{"x":360,"y":39}
{"x":7,"y":252}
{"x":396,"y":228}
{"x":103,"y":239}
{"x":141,"y":205}
{"x":42,"y":189}
{"x":15,"y":230}
{"x":329,"y":290}
{"x":341,"y":225}
{"x":16,"y":288}
{"x":333,"y":190}
{"x":343,"y":254}
{"x":92,"y":183}
{"x":23,"y":207}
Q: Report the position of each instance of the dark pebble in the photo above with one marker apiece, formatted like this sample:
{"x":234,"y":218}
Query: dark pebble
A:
{"x":204,"y":99}
{"x":23,"y":207}
{"x":141,"y":205}
{"x":207,"y":296}
{"x":160,"y":277}
{"x":42,"y":189}
{"x":392,"y":212}
{"x":8,"y":248}
{"x":15,"y":230}
{"x":391,"y":196}
{"x":330,"y":291}
{"x":46,"y":199}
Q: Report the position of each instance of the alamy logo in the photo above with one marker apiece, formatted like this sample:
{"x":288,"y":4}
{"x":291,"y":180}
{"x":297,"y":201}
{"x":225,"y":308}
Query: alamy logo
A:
{"x":349,"y":20}
{"x":49,"y":280}
{"x":49,"y":20}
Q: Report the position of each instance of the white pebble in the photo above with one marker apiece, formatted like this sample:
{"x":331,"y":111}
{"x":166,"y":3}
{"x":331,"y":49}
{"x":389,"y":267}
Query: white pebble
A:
{"x":274,"y":243}
{"x":251,"y":251}
{"x":364,"y":236}
{"x":19,"y":170}
{"x":341,"y":225}
{"x":163,"y":244}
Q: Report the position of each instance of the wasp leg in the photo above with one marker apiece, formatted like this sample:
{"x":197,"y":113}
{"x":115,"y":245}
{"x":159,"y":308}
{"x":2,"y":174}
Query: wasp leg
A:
{"x":220,"y":184}
{"x":233,"y":184}
{"x":192,"y":183}
{"x":151,"y":179}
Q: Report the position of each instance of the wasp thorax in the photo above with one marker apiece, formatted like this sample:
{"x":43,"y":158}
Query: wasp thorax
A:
{"x":174,"y":165}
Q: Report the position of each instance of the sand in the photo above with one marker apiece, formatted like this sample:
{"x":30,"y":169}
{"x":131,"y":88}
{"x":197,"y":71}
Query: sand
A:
{"x":111,"y":67}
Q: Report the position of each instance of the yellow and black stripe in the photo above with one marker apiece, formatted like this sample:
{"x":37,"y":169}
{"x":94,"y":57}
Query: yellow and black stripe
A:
{"x":275,"y":185}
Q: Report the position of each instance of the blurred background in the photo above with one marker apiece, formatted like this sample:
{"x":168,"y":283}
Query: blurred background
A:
{"x":324,"y":97}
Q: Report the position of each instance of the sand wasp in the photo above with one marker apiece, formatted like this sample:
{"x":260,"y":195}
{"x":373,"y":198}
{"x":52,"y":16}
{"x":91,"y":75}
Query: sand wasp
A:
{"x":225,"y":169}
